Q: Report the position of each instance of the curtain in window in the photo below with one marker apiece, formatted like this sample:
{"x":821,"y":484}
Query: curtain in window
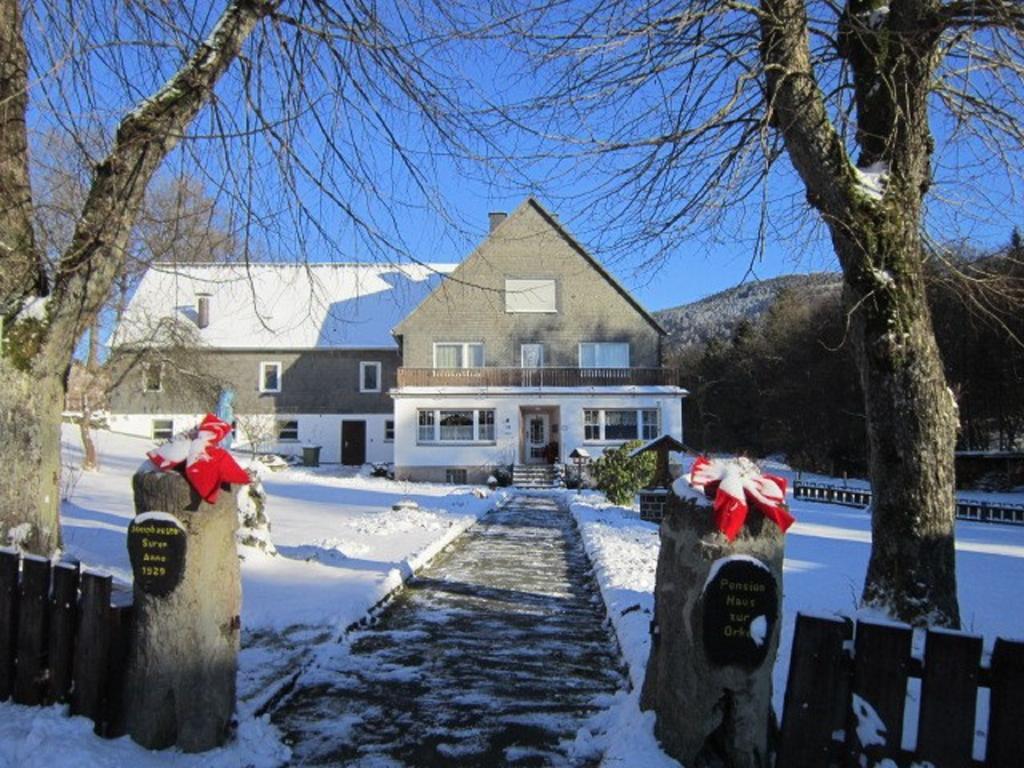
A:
{"x":620,"y":425}
{"x":448,"y":356}
{"x":456,"y":425}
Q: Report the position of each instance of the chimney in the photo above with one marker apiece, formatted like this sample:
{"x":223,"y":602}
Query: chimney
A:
{"x":202,"y":309}
{"x":496,"y":218}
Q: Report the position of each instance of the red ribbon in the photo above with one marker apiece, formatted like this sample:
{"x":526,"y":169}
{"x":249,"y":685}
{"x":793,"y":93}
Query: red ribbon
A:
{"x":207,"y":465}
{"x":734,"y":488}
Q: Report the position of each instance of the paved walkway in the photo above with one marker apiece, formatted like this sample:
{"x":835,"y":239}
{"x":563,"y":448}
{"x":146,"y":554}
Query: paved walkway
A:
{"x":495,"y":655}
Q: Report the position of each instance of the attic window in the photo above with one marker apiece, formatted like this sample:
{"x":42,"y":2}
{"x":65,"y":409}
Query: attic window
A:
{"x":526,"y":296}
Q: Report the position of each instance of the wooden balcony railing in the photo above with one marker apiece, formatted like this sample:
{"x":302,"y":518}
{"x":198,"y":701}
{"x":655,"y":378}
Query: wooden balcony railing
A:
{"x":536,"y":377}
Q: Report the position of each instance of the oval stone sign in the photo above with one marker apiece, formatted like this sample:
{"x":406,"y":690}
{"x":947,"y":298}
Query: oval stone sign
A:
{"x":156,"y":548}
{"x":741,"y":607}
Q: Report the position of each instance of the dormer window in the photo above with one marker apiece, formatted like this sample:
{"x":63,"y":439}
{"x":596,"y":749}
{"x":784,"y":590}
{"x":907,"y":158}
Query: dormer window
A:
{"x":530,"y":296}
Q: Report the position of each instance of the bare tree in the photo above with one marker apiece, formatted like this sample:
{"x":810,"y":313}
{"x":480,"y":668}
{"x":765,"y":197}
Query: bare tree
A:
{"x":295,"y":112}
{"x":690,"y":109}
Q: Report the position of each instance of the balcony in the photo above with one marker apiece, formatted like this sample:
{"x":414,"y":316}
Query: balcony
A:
{"x":537,"y":378}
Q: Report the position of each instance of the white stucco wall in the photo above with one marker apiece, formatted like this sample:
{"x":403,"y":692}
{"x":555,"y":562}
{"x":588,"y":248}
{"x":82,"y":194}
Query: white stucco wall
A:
{"x":508,"y":424}
{"x":314,"y":429}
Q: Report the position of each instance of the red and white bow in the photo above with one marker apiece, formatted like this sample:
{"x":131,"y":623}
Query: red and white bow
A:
{"x":733,"y":485}
{"x":207,"y":465}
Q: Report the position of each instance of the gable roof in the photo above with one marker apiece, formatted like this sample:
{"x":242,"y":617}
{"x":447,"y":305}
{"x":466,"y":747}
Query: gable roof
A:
{"x":556,"y":224}
{"x":280,"y":306}
{"x":573,"y":243}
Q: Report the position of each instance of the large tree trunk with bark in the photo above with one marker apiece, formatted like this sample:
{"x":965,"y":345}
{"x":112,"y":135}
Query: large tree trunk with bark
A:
{"x":912,"y":424}
{"x":873,"y":211}
{"x":96,"y":256}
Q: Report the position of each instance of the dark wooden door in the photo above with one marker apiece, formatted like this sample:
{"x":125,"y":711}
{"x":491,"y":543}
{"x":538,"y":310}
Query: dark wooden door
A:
{"x":353,"y":442}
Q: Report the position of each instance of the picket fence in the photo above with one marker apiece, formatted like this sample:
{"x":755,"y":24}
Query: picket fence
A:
{"x":61,"y":639}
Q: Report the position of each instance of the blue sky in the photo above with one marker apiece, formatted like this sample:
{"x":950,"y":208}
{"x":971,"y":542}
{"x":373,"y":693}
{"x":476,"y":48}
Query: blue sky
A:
{"x":306,"y":217}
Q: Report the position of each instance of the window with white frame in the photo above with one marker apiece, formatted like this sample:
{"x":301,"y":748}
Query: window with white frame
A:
{"x":604,"y":354}
{"x":152,"y":377}
{"x":530,"y":295}
{"x":270,"y":377}
{"x":651,"y":420}
{"x":621,"y":424}
{"x":369,"y":377}
{"x":531,"y":355}
{"x":426,"y":432}
{"x":389,"y":431}
{"x":458,"y":354}
{"x":287,"y":430}
{"x":462,"y":425}
{"x":163,"y":429}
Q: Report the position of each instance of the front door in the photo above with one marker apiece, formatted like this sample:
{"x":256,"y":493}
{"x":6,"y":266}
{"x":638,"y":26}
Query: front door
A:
{"x":353,"y":443}
{"x":537,"y":438}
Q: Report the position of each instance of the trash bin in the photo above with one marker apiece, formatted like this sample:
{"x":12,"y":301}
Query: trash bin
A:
{"x":311,"y":455}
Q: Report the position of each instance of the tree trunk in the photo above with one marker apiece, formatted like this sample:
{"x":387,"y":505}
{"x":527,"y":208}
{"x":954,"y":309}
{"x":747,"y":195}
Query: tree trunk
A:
{"x":876,"y":231}
{"x":912,"y":425}
{"x":30,"y":412}
{"x":94,"y":260}
{"x":90,"y":459}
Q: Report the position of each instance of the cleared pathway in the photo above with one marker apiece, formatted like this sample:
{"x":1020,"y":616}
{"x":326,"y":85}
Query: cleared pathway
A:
{"x":493,"y":656}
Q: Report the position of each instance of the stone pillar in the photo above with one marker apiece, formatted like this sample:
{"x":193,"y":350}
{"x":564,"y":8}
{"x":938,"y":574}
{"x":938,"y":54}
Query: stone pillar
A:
{"x":180,"y":683}
{"x":715,"y":638}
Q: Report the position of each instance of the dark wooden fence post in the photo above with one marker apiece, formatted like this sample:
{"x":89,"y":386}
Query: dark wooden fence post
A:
{"x":30,"y":674}
{"x":817,"y":691}
{"x":1005,"y":735}
{"x":63,"y":619}
{"x":93,"y":648}
{"x":881,"y":664}
{"x":949,"y":695}
{"x":8,"y":620}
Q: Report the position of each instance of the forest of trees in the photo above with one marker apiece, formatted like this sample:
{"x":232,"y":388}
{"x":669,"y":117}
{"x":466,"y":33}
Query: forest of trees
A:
{"x":786,"y":383}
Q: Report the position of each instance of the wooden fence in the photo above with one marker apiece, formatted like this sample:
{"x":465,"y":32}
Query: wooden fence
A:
{"x":61,"y":640}
{"x":846,"y":701}
{"x":979,"y":511}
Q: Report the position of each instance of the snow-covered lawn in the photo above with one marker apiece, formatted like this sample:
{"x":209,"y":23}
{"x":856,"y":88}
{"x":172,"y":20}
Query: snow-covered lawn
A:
{"x":341,"y":550}
{"x":826,"y":558}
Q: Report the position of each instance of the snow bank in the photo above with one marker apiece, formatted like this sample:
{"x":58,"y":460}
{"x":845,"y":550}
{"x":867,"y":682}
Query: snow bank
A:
{"x":342,"y":550}
{"x":827,"y":552}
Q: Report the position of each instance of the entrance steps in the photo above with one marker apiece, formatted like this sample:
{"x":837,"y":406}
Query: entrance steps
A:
{"x":536,"y":476}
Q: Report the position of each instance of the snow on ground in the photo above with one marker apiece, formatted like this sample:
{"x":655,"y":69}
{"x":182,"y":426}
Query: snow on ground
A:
{"x":826,"y":558}
{"x":342,"y":549}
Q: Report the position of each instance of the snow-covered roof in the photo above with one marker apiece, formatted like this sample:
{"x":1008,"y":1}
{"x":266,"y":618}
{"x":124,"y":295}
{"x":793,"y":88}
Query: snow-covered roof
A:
{"x":279,"y":306}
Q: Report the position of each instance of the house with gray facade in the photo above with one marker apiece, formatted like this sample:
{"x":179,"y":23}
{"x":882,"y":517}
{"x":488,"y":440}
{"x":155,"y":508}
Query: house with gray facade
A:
{"x":305,"y":351}
{"x":522,"y":353}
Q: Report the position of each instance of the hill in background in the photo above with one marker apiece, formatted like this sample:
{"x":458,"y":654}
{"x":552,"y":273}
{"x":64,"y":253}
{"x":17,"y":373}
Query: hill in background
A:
{"x":718,"y":315}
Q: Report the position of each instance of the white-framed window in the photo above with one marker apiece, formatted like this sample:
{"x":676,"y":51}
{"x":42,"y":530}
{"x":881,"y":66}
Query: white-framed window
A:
{"x":604,"y":354}
{"x":287,"y":430}
{"x":531,"y":295}
{"x":153,"y":377}
{"x":650,"y":418}
{"x":615,"y":425}
{"x":270,"y":377}
{"x":389,"y":431}
{"x":163,"y":429}
{"x":369,"y":377}
{"x":458,"y":354}
{"x":531,"y":355}
{"x":455,"y":425}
